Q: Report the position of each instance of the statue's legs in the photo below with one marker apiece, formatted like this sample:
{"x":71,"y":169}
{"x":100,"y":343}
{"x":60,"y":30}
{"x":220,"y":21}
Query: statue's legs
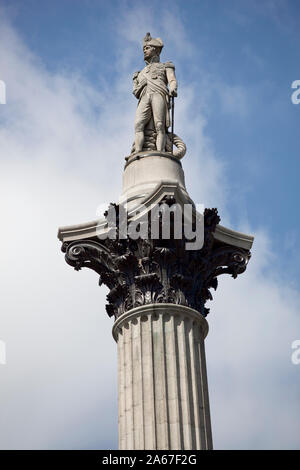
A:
{"x":142,"y":117}
{"x":151,"y":104}
{"x":159,"y":117}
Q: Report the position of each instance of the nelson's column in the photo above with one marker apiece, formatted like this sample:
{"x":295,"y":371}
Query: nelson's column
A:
{"x":160,"y":258}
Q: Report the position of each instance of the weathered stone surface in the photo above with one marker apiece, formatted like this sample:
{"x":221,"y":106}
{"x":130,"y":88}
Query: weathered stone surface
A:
{"x":163,"y":392}
{"x":146,"y":271}
{"x":145,"y":171}
{"x":155,"y":88}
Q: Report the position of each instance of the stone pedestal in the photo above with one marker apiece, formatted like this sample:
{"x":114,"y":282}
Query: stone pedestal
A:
{"x":144,"y":171}
{"x":163,"y":392}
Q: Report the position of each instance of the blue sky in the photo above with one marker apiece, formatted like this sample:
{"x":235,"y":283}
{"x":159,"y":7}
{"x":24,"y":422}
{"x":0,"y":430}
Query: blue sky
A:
{"x":66,"y":127}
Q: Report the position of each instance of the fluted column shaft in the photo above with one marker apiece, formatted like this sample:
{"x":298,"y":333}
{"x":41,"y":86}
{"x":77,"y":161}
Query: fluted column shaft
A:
{"x":163,"y":391}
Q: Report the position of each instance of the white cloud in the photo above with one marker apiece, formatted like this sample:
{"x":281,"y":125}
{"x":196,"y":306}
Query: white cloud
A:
{"x":254,"y":385}
{"x":62,"y":144}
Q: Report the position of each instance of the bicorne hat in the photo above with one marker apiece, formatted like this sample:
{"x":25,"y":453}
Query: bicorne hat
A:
{"x":156,"y":42}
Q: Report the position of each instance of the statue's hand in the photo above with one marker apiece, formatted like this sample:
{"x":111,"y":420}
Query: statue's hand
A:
{"x":173,"y":91}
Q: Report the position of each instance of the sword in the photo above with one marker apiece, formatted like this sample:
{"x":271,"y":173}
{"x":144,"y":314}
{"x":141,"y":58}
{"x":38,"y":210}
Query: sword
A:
{"x":172,"y":138}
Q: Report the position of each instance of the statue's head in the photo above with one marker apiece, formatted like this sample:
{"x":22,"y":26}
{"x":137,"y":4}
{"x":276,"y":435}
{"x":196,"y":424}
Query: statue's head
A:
{"x":152,"y":47}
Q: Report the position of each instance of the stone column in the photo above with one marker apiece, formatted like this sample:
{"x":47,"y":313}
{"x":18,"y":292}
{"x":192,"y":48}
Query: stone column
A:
{"x":163,"y":391}
{"x":158,"y":292}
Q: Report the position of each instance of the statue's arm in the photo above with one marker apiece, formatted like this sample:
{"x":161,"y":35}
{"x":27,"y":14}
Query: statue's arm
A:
{"x":137,"y":85}
{"x":170,"y":72}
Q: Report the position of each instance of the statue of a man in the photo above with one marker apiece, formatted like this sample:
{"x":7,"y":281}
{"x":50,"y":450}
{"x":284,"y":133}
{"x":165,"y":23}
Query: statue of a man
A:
{"x":152,"y":87}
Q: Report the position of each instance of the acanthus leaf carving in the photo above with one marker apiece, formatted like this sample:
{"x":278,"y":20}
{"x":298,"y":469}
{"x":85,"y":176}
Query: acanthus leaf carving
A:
{"x":146,"y":271}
